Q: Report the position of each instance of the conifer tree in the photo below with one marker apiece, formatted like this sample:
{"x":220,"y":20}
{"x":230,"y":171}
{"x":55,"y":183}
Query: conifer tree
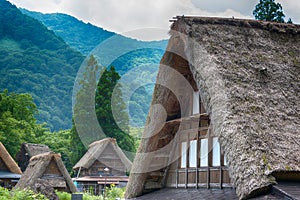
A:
{"x":269,"y":10}
{"x":119,"y":130}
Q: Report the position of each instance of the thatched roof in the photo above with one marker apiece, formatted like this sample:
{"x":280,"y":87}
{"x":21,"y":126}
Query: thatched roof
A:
{"x":8,"y":160}
{"x":35,"y":149}
{"x":29,"y":150}
{"x":38,"y":169}
{"x":96,"y":149}
{"x":248,"y":76}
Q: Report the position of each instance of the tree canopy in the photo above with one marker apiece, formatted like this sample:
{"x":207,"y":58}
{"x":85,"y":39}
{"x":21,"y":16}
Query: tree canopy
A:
{"x":269,"y":10}
{"x":34,"y":60}
{"x":93,"y":109}
{"x":113,"y":126}
{"x":17,"y":121}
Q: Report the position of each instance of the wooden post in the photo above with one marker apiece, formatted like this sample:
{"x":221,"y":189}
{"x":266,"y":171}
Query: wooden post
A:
{"x":198,"y":149}
{"x":177,"y":160}
{"x":209,"y":154}
{"x":221,"y":163}
{"x":176,"y":176}
{"x":187,"y":159}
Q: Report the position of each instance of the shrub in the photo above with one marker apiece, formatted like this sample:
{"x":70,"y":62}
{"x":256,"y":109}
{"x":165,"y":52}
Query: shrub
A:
{"x":63,"y":195}
{"x":68,"y":196}
{"x":113,"y":192}
{"x":17,"y":194}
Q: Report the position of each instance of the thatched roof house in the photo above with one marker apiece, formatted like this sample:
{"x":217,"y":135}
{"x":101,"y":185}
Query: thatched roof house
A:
{"x":29,"y":150}
{"x":9,"y":170}
{"x":247,"y":73}
{"x":46,"y":169}
{"x":106,"y":152}
{"x":103,"y":164}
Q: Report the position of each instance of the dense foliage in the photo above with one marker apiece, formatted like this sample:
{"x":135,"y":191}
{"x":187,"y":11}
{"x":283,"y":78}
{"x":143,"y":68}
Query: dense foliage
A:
{"x":88,"y":104}
{"x":34,"y":60}
{"x":269,"y":10}
{"x":5,"y":194}
{"x":76,"y":146}
{"x":111,"y":193}
{"x":130,"y":54}
{"x":59,"y":142}
{"x":115,"y":124}
{"x":18,"y":124}
{"x":141,"y":66}
{"x":93,"y":117}
{"x":17,"y":121}
{"x":79,"y":35}
{"x":68,"y":196}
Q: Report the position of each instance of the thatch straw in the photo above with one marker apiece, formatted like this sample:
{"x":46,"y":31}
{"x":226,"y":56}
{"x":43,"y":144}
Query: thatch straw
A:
{"x":37,"y":167}
{"x":248,"y":76}
{"x":29,"y":150}
{"x":8,"y":160}
{"x":96,"y":149}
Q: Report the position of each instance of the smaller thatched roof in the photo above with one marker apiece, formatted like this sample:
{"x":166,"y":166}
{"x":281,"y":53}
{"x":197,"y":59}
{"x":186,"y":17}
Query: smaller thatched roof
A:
{"x":29,"y":150}
{"x":38,"y":169}
{"x":8,"y":160}
{"x":96,"y":149}
{"x":35,"y":149}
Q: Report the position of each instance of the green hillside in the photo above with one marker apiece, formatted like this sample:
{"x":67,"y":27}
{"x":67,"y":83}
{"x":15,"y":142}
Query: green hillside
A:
{"x":79,"y":35}
{"x":121,"y":52}
{"x":33,"y":59}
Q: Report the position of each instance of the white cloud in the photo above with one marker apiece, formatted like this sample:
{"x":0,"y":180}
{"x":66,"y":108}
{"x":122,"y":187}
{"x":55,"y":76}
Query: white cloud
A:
{"x":291,"y":9}
{"x":47,"y":6}
{"x":123,"y":16}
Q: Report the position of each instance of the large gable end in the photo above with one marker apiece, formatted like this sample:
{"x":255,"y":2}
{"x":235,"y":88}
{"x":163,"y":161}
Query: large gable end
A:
{"x":248,"y":76}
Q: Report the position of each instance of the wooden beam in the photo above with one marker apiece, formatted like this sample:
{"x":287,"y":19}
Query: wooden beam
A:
{"x":187,"y":159}
{"x":197,"y":160}
{"x":209,"y":157}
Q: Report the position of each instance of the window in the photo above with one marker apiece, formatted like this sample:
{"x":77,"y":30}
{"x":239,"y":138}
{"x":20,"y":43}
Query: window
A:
{"x":193,"y":154}
{"x":204,"y":153}
{"x":196,"y":104}
{"x":183,"y":154}
{"x":216,"y":153}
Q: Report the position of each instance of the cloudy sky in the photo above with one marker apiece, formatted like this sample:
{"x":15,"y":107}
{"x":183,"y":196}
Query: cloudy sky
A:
{"x":123,"y":16}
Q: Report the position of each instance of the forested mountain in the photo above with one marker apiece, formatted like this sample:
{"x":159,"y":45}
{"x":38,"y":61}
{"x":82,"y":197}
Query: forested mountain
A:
{"x":111,"y":49}
{"x":83,"y":37}
{"x":34,"y":60}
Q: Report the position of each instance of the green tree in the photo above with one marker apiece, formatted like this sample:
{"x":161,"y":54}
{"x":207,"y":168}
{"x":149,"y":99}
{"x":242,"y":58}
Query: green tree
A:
{"x":85,"y":125}
{"x":59,"y":142}
{"x":289,"y":21}
{"x":268,"y":10}
{"x":76,"y":146}
{"x":93,"y":118}
{"x":17,"y":121}
{"x":107,"y":85}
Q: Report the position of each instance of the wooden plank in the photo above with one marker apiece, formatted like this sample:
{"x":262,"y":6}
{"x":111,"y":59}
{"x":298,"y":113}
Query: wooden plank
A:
{"x":177,"y":160}
{"x":221,"y":177}
{"x":197,"y":155}
{"x":187,"y":159}
{"x":290,"y":189}
{"x":209,"y":163}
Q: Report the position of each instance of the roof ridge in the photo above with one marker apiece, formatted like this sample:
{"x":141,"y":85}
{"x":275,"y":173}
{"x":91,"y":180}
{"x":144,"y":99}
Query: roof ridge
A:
{"x":250,"y":23}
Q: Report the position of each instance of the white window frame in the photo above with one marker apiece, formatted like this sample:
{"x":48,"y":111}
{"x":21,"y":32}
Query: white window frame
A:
{"x":204,"y":152}
{"x":193,"y":153}
{"x":183,"y":154}
{"x":216,"y":152}
{"x":196,"y":103}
